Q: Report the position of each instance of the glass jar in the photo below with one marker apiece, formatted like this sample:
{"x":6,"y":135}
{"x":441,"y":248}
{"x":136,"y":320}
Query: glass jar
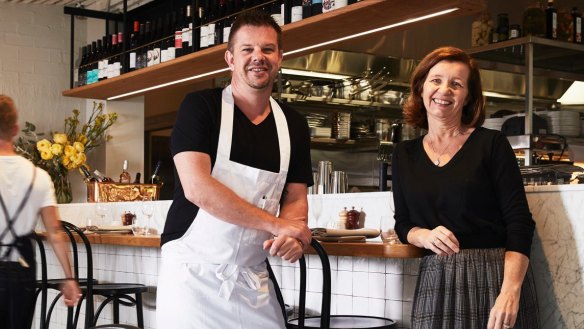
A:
{"x":514,"y":31}
{"x":482,"y":28}
{"x":534,"y":20}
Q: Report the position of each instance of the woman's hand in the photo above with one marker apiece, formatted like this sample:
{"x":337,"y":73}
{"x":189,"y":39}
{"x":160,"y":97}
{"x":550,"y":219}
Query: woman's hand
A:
{"x":504,"y":313}
{"x":71,"y":292}
{"x":288,"y":248}
{"x":440,"y":240}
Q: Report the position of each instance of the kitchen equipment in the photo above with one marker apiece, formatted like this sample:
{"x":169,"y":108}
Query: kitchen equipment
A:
{"x":339,"y":182}
{"x":341,"y":125}
{"x":323,"y":180}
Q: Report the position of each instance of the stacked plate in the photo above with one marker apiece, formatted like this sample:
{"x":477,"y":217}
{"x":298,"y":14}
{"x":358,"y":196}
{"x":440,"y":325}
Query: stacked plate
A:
{"x":494,"y":123}
{"x":316,"y":119}
{"x":565,"y":123}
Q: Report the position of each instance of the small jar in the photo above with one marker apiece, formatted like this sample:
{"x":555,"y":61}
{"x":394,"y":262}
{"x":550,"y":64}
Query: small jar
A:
{"x":127,"y":218}
{"x":514,"y":31}
{"x":352,"y":219}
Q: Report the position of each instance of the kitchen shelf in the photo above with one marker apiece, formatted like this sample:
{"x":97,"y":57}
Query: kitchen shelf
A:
{"x":300,"y":38}
{"x":548,"y":55}
{"x":323,"y":143}
{"x":335,"y":101}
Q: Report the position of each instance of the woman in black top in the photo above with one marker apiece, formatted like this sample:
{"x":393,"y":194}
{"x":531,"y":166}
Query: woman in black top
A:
{"x":458,"y":193}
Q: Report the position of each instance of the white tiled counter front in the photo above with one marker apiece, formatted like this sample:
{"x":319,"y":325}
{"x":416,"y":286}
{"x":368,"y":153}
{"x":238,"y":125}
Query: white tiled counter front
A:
{"x":373,"y":286}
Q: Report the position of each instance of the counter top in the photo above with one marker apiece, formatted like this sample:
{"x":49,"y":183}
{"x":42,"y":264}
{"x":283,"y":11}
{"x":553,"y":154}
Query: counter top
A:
{"x":357,"y":249}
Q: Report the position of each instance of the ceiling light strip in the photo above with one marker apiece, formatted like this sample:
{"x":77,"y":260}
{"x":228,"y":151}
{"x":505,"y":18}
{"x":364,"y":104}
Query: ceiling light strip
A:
{"x":387,"y":27}
{"x":167,"y":84}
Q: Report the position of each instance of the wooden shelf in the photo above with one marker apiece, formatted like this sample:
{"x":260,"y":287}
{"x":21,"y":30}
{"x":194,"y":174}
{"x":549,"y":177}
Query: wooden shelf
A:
{"x":359,"y":17}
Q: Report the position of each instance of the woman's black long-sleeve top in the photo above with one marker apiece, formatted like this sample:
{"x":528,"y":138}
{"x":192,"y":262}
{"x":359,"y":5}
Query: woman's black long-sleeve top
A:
{"x":478,"y":194}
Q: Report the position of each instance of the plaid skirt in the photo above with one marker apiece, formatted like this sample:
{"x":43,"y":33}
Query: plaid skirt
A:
{"x":458,"y":291}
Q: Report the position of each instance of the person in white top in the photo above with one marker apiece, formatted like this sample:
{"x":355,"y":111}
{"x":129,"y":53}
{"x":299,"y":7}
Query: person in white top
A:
{"x":213,"y":274}
{"x":25,"y":193}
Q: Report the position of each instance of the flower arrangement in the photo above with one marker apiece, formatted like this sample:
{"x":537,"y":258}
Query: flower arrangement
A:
{"x":66,"y":150}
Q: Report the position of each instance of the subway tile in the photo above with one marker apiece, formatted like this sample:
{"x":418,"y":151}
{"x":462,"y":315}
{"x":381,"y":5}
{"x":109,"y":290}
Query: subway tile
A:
{"x":288,"y":280}
{"x":345,"y":283}
{"x":344,"y":304}
{"x":412,"y":266}
{"x":394,"y":265}
{"x":377,"y":265}
{"x":376,"y":307}
{"x":376,"y":285}
{"x":360,"y":264}
{"x":345,"y":263}
{"x":394,"y":286}
{"x":394,"y":311}
{"x":360,"y":306}
{"x":360,"y":284}
{"x":314,"y":280}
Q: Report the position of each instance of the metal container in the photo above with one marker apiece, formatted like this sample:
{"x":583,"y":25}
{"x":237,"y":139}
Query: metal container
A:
{"x":339,"y":182}
{"x":323,"y":185}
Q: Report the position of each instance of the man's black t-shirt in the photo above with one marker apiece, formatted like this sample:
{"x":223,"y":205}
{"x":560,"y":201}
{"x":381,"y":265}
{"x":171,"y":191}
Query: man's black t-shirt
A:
{"x":197,"y":129}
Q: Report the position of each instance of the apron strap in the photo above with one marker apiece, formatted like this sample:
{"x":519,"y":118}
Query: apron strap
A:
{"x":11,"y":220}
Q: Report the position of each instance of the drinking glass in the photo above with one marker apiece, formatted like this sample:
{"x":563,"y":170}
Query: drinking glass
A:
{"x":139,"y":226}
{"x":147,"y":207}
{"x":101,"y":210}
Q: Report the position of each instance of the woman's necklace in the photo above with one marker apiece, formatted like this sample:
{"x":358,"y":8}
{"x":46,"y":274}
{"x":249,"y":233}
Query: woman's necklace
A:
{"x":437,"y":161}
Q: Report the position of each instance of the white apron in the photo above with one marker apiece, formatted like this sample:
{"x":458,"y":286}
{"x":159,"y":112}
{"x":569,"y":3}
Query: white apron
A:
{"x":215,"y":276}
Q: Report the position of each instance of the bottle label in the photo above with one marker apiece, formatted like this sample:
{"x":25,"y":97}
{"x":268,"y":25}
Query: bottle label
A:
{"x":178,"y":39}
{"x":282,"y":12}
{"x":328,"y":5}
{"x":109,"y":71}
{"x":296,"y":14}
{"x":211,"y":35}
{"x":190,"y":34}
{"x":117,"y":69}
{"x":204,"y":35}
{"x":278,"y":19}
{"x":170,"y":53}
{"x":133,"y":60}
{"x":185,"y":35}
{"x":163,"y":55}
{"x":150,"y":57}
{"x":226,"y":31}
{"x":340,"y":3}
{"x":156,"y":56}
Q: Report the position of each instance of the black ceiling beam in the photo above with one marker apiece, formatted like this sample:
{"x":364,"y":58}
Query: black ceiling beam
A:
{"x":93,"y":14}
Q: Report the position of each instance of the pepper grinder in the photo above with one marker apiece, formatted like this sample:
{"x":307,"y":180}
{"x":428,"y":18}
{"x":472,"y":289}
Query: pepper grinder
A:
{"x":352,"y":219}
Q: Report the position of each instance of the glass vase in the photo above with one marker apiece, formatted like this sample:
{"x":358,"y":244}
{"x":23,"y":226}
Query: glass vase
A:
{"x":62,"y":185}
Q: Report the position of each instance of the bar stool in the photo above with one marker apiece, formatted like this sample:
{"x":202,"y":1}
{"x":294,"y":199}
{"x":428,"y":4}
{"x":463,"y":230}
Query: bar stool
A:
{"x":115,"y":326}
{"x":117,"y":293}
{"x":326,"y":320}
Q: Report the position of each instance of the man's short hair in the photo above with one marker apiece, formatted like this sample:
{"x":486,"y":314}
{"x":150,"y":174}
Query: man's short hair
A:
{"x":8,"y":117}
{"x":254,"y":18}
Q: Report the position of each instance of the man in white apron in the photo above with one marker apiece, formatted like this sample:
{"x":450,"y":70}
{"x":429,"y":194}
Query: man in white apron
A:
{"x":25,"y":193}
{"x":241,"y":159}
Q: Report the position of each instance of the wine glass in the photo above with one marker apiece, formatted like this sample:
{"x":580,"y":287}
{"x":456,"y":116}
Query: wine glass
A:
{"x":101,"y":210}
{"x":147,"y":207}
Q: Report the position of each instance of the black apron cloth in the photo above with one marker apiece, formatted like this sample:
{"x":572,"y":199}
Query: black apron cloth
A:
{"x":17,"y":279}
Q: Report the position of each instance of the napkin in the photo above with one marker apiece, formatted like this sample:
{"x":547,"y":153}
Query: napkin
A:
{"x":334,"y":232}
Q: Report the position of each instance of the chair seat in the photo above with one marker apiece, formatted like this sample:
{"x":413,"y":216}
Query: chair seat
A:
{"x":115,"y":326}
{"x":347,"y":322}
{"x":114,"y":289}
{"x":56,"y":283}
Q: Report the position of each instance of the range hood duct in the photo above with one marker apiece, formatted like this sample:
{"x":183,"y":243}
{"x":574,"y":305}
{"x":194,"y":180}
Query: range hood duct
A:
{"x":509,"y":85}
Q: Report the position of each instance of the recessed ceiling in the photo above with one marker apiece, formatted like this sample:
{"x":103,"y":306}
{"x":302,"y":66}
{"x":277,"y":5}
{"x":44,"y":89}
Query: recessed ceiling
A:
{"x":112,"y":6}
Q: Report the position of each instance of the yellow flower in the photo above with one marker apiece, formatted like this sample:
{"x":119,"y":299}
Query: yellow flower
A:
{"x":79,"y":147}
{"x":43,"y":145}
{"x":57,"y":149}
{"x":60,"y":138}
{"x":46,"y":155}
{"x":69,"y":150}
{"x":82,"y":139}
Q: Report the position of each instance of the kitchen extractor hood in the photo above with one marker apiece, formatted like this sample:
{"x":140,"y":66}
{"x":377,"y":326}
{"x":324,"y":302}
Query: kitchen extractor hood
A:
{"x":498,"y":84}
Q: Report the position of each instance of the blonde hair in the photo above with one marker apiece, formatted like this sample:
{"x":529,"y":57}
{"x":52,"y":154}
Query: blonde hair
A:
{"x":8,"y":117}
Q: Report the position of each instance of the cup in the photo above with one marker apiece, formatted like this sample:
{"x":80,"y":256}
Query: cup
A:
{"x":339,"y":182}
{"x":324,"y":173}
{"x":139,"y":225}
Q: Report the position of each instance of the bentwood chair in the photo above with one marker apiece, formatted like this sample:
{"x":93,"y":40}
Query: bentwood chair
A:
{"x":115,"y":326}
{"x":115,"y":293}
{"x":325,"y":320}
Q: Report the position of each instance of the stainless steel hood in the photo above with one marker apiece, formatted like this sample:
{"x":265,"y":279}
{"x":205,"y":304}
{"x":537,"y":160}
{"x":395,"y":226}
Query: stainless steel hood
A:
{"x":509,"y":85}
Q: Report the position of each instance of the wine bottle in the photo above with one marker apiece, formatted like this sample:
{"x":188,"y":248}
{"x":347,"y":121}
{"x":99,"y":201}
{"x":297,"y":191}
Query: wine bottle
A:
{"x":137,"y":179}
{"x":296,"y":11}
{"x":551,"y":21}
{"x":306,"y":8}
{"x":276,"y":13}
{"x":101,"y":177}
{"x":113,"y":45}
{"x":150,"y":27}
{"x":88,"y":177}
{"x":203,"y":43}
{"x":155,"y":179}
{"x":90,"y":63}
{"x":125,"y":175}
{"x":187,"y":28}
{"x":178,"y":51}
{"x":170,"y":49}
{"x":316,"y":7}
{"x":576,"y":25}
{"x":118,"y":69}
{"x":285,"y":7}
{"x":101,"y":50}
{"x":81,"y":69}
{"x":133,"y":45}
{"x":211,"y":28}
{"x":228,"y":20}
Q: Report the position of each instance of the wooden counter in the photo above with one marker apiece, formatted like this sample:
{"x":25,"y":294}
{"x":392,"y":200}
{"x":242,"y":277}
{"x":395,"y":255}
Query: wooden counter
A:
{"x":361,"y":249}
